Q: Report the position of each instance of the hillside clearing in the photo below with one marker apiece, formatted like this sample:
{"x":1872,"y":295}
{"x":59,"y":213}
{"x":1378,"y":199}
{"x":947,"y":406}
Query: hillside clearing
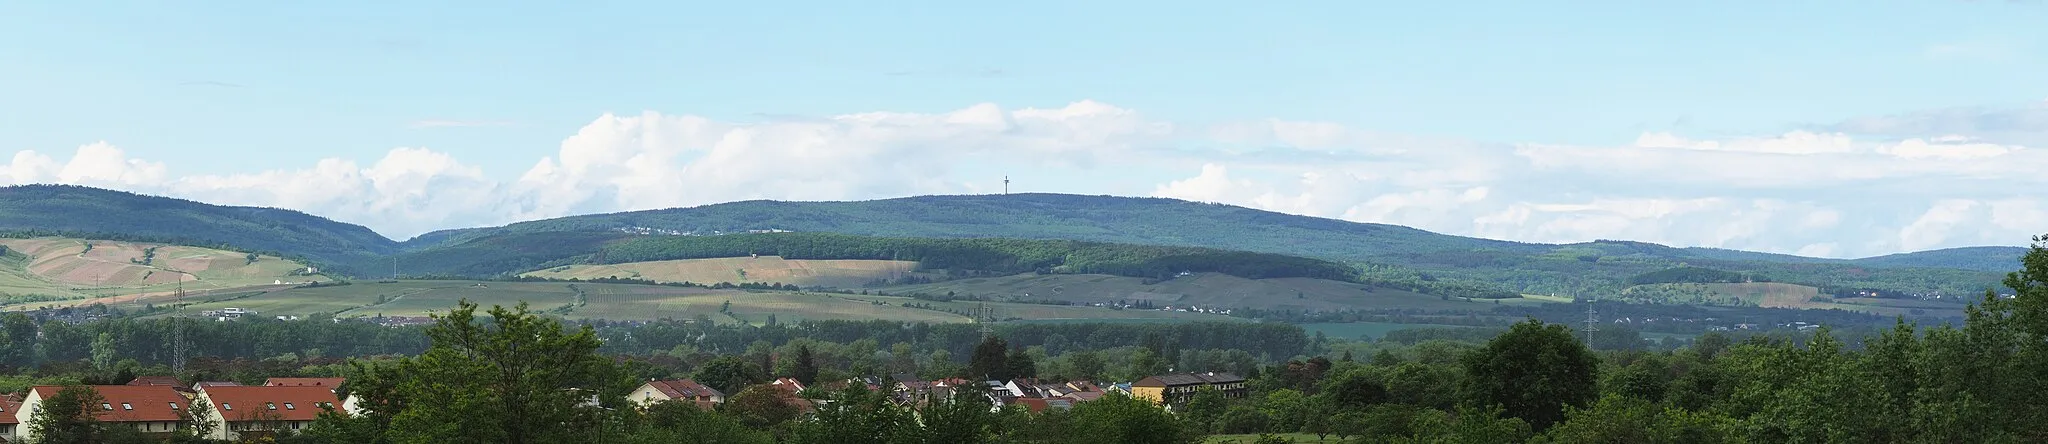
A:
{"x":1804,"y":297}
{"x":66,"y":268}
{"x":762,"y":269}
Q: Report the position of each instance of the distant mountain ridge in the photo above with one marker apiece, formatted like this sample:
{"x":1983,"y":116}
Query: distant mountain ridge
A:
{"x":1111,"y":219}
{"x":1384,"y":251}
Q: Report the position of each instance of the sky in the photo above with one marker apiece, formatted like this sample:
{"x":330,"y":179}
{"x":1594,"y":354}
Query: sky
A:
{"x":1821,"y":128}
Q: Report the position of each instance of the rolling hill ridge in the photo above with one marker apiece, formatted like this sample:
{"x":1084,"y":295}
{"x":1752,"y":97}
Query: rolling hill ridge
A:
{"x":1380,"y":252}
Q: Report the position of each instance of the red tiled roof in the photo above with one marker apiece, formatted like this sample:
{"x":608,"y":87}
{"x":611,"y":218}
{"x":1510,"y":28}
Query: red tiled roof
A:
{"x":684,"y":389}
{"x":304,"y":382}
{"x":217,"y":384}
{"x":157,"y":380}
{"x":284,"y":403}
{"x":791,"y":382}
{"x":8,"y":407}
{"x":130,"y":403}
{"x":1035,"y":405}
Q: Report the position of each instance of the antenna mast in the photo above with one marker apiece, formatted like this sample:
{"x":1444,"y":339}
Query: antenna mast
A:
{"x":1592,"y":324}
{"x":1006,"y":185}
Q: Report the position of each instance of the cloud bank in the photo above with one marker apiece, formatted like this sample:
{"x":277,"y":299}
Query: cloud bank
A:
{"x":1864,"y":187}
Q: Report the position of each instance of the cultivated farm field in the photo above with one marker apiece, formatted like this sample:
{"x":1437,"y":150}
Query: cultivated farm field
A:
{"x":1198,"y":290}
{"x":81,"y":268}
{"x":1780,"y":295}
{"x":737,"y":270}
{"x":615,"y":302}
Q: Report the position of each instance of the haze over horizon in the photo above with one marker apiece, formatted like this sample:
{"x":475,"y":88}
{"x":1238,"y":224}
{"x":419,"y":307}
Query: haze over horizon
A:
{"x":1505,"y":120}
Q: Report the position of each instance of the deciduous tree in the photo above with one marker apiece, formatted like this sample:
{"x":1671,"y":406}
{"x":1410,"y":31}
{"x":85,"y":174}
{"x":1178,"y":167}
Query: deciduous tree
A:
{"x":1533,"y":371}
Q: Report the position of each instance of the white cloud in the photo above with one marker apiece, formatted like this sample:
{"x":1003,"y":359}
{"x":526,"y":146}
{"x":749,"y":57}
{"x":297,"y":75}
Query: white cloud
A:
{"x":1796,"y":142}
{"x":1837,"y":192}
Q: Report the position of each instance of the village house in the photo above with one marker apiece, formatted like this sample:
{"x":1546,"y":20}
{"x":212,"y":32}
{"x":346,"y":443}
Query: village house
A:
{"x":8,"y":423}
{"x":155,"y":410}
{"x":253,"y":412}
{"x":1176,"y":390}
{"x":157,"y":380}
{"x":202,"y":385}
{"x":330,"y":383}
{"x":680,"y":390}
{"x":792,"y":384}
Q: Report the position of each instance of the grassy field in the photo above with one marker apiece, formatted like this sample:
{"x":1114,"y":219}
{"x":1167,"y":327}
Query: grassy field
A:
{"x":1198,"y":290}
{"x":763,"y":269}
{"x":67,"y":268}
{"x":619,"y":302}
{"x":1367,"y":330}
{"x":1777,"y":295}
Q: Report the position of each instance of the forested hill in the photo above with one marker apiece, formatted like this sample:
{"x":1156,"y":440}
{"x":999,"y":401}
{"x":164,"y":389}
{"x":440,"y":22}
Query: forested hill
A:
{"x":1387,"y":252}
{"x":1995,"y":259}
{"x":105,"y":214}
{"x":995,"y":255}
{"x":1130,"y":220}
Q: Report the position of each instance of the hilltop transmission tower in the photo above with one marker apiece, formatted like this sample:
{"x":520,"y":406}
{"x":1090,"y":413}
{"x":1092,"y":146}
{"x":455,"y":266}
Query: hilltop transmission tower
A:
{"x":1592,"y":324}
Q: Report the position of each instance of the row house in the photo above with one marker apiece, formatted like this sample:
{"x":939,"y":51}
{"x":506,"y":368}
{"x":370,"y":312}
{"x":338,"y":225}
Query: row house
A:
{"x":1173,"y":391}
{"x":242,"y":413}
{"x":329,"y":383}
{"x":155,"y":410}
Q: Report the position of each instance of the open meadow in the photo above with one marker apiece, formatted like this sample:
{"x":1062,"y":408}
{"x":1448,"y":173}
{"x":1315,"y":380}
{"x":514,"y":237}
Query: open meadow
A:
{"x":1779,"y":295}
{"x":737,"y":270}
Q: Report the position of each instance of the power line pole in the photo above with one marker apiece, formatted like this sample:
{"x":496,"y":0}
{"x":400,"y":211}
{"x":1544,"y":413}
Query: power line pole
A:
{"x":178,"y":347}
{"x":985,"y":316}
{"x":1592,"y":324}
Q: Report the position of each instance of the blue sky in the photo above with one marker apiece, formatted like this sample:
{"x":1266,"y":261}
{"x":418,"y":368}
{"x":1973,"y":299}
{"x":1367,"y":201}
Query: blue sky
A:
{"x":1541,"y":121}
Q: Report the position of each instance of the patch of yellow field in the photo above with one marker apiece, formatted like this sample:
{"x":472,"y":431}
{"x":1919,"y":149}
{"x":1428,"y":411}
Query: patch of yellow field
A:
{"x":1771,"y":294}
{"x":763,"y":269}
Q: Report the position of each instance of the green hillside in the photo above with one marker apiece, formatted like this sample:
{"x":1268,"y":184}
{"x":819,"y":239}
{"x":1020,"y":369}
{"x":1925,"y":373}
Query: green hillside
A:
{"x":1384,"y":252}
{"x":82,"y":212}
{"x":1993,"y":259}
{"x":1414,"y":259}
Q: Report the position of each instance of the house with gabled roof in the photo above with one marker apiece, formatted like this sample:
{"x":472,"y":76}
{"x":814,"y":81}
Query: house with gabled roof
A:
{"x":202,"y":385}
{"x":154,"y":410}
{"x":253,"y":412}
{"x":679,"y":390}
{"x":1177,"y":390}
{"x":329,"y":383}
{"x":157,"y":380}
{"x":8,"y":423}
